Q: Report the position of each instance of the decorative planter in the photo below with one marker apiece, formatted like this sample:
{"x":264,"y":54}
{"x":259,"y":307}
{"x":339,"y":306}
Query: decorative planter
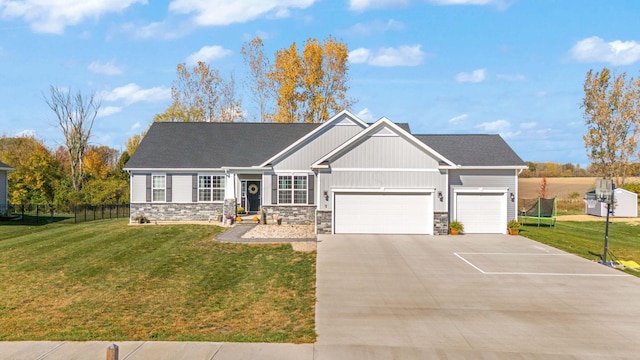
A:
{"x":514,"y":231}
{"x":454,"y":231}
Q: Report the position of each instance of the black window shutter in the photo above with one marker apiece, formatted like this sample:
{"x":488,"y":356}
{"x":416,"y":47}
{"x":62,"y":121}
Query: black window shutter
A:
{"x":274,"y":189}
{"x":311,"y":186}
{"x":194,"y":188}
{"x":169,"y":188}
{"x":148,"y":187}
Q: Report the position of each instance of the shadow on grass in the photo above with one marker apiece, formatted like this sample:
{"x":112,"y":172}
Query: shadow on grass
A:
{"x":34,"y":220}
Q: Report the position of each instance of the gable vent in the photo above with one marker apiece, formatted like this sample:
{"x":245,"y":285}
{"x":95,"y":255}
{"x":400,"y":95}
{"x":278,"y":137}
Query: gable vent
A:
{"x":384,"y":132}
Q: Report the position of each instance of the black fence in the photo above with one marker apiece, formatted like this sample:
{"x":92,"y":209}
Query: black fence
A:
{"x":44,"y":213}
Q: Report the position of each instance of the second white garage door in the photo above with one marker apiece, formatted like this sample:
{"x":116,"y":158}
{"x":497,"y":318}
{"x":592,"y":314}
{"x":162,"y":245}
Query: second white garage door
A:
{"x":484,"y":213}
{"x":374,"y":213}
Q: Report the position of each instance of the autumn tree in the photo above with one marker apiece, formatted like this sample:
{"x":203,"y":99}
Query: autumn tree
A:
{"x":197,"y":94}
{"x":286,"y":78}
{"x":258,"y":83}
{"x":75,"y":114}
{"x":611,"y":109}
{"x":36,"y":174}
{"x":307,"y":85}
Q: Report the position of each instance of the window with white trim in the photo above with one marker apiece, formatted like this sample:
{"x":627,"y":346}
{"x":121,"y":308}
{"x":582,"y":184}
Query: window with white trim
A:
{"x":158,"y":188}
{"x":210,"y":188}
{"x":292,"y":189}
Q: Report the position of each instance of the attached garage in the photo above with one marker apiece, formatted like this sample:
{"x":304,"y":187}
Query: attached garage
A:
{"x":481,"y":212}
{"x":383,"y":213}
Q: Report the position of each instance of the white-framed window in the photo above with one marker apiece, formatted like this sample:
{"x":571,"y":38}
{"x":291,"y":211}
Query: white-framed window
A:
{"x":158,"y":188}
{"x":292,"y":189}
{"x":210,"y":188}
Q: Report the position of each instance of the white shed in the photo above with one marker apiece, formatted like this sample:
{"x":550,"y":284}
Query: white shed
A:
{"x":625,"y":204}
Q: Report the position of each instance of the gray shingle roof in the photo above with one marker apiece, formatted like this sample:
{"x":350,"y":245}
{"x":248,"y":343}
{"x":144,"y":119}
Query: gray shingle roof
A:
{"x":214,"y":145}
{"x":473,"y":149}
{"x":4,"y":166}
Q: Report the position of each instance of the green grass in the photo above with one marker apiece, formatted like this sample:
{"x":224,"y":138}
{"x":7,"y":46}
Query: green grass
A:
{"x":106,"y":280}
{"x":587,"y":238}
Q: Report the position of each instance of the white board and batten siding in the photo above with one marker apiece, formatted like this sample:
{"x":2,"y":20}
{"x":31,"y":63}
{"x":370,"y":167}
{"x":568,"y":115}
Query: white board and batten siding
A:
{"x":315,"y":147}
{"x":139,"y":187}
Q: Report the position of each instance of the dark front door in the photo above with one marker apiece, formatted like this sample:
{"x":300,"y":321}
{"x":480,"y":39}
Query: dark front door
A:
{"x":253,"y":195}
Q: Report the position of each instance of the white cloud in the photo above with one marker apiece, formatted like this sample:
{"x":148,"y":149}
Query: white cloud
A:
{"x":375,"y":27}
{"x":495,"y":126}
{"x":132,"y":93}
{"x":224,"y":12}
{"x":457,"y":119}
{"x":528,"y":125}
{"x":362,"y":5}
{"x":105,"y":111}
{"x":388,"y":57}
{"x":54,"y":16}
{"x":511,"y":77}
{"x":475,"y":76}
{"x":365,"y":114}
{"x":595,"y":49}
{"x":136,"y":126}
{"x":207,"y":54}
{"x":26,"y":133}
{"x":110,"y":68}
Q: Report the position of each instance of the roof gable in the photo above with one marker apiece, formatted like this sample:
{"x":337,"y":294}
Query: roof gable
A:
{"x":343,"y":118}
{"x":383,"y":127}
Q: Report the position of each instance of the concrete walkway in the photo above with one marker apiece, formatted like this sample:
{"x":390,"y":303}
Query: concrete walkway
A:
{"x":139,"y":350}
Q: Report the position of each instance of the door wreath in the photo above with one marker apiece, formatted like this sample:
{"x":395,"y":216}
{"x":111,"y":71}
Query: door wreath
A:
{"x":253,"y":189}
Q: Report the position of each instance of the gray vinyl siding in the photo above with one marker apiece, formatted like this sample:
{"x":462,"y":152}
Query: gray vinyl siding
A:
{"x":503,"y":178}
{"x":387,"y":180}
{"x":139,"y":187}
{"x":3,"y":190}
{"x":311,"y":150}
{"x":385,"y":152}
{"x":181,"y":188}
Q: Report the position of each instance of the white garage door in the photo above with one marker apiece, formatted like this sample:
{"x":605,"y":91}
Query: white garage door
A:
{"x":372,"y":213}
{"x":482,"y":213}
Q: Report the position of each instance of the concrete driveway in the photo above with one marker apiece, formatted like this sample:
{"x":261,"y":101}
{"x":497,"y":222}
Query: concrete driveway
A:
{"x":471,"y":296}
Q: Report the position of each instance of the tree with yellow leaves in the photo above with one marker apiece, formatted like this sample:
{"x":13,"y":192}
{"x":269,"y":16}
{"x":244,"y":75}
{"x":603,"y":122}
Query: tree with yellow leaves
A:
{"x":307,"y":86}
{"x":611,"y":106}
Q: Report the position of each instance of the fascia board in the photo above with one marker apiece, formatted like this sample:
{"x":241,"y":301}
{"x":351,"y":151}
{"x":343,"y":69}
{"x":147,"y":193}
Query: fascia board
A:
{"x":313,"y":133}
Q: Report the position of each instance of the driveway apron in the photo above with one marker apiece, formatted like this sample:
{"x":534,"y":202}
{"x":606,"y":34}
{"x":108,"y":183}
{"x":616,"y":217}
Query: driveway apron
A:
{"x":472,"y":296}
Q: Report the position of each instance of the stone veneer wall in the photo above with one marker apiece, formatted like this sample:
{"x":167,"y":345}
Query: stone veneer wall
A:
{"x":291,"y":214}
{"x":323,"y":221}
{"x":176,"y":211}
{"x":441,"y":223}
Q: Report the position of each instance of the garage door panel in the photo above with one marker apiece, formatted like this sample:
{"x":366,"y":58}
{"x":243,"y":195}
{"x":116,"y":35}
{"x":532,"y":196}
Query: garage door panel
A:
{"x":482,"y":213}
{"x":370,"y":213}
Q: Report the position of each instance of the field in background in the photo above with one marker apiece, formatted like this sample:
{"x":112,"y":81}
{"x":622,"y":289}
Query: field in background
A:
{"x":562,"y":188}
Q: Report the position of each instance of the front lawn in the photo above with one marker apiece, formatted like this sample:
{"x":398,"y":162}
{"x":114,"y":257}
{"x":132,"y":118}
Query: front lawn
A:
{"x":106,"y":280}
{"x":587,"y":238}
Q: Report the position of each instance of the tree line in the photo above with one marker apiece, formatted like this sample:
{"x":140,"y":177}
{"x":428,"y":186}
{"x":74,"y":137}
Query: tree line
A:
{"x":298,"y":84}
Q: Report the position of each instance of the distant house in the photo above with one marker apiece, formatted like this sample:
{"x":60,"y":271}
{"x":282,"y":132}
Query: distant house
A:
{"x":343,"y":176}
{"x":4,"y":185}
{"x":625,"y":204}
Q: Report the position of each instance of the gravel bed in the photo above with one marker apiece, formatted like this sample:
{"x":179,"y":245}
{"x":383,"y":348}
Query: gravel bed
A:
{"x":281,"y":232}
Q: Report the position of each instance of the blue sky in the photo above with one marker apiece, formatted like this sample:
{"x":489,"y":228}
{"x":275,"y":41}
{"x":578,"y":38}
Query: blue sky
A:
{"x":509,"y":67}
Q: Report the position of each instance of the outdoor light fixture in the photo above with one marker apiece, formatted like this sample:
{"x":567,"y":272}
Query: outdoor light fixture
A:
{"x":440,"y":195}
{"x":513,"y":197}
{"x":326,"y":196}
